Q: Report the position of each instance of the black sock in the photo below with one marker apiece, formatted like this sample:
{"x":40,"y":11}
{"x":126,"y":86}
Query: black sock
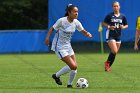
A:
{"x":111,"y":58}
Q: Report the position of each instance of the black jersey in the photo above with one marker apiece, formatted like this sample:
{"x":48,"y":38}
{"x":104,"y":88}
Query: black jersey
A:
{"x":112,"y":20}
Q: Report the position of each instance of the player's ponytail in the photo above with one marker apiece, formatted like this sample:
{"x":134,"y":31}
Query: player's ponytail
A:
{"x":69,"y":8}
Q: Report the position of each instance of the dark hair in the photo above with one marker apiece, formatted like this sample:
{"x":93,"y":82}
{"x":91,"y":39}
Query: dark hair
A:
{"x":115,"y":2}
{"x":69,"y":8}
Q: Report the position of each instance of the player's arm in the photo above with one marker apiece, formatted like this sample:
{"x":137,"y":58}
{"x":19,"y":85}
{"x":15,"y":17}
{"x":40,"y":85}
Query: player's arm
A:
{"x":136,"y":40}
{"x":86,"y":33}
{"x":108,"y":26}
{"x":106,"y":23}
{"x":137,"y":34}
{"x":125,"y":24}
{"x":80,"y":28}
{"x":56,"y":26}
{"x":48,"y":35}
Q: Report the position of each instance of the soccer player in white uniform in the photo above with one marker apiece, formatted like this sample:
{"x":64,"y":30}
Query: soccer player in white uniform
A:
{"x":65,"y":27}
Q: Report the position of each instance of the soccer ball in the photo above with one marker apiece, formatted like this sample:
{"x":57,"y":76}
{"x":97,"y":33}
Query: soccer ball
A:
{"x":82,"y":83}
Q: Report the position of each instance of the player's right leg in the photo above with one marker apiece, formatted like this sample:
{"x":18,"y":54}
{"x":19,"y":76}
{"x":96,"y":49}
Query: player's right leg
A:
{"x":113,"y":46}
{"x":57,"y":79}
{"x":70,"y":67}
{"x":61,"y":54}
{"x":114,"y":49}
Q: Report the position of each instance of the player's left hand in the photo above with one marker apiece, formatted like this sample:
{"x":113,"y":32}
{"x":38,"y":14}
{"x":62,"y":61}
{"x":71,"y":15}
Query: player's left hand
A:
{"x":121,"y":26}
{"x":89,"y":35}
{"x":136,"y":47}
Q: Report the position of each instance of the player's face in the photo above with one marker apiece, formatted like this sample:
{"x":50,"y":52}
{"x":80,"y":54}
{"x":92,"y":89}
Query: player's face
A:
{"x":73,"y":13}
{"x":116,"y":7}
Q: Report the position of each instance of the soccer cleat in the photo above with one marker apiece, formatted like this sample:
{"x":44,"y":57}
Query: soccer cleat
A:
{"x":69,"y":86}
{"x":57,"y":79}
{"x":107,"y":67}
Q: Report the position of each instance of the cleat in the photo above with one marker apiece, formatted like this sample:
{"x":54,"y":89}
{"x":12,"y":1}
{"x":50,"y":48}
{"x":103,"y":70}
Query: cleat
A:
{"x":57,"y":79}
{"x":107,"y":67}
{"x":69,"y":86}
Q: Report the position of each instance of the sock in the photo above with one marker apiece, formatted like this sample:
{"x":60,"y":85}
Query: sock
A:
{"x":64,"y":70}
{"x":111,"y":58}
{"x":72,"y":76}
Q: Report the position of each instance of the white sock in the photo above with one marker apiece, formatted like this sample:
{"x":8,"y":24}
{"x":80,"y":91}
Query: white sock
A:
{"x":72,"y":76}
{"x":64,"y":70}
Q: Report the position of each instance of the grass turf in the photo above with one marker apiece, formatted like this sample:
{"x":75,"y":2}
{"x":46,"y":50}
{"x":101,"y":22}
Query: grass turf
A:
{"x":31,"y":73}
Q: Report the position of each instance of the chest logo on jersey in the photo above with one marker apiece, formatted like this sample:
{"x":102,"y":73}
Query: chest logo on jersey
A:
{"x":69,"y":27}
{"x":116,"y":20}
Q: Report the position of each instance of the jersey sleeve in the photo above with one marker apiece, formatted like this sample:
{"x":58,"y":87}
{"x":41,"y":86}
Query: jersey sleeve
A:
{"x":58,"y":24}
{"x":138,"y":23}
{"x":79,"y":26}
{"x":107,"y":19}
{"x":124,"y":21}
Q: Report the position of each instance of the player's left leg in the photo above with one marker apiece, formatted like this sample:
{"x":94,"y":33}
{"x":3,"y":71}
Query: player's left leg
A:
{"x":112,"y":55}
{"x":72,"y":73}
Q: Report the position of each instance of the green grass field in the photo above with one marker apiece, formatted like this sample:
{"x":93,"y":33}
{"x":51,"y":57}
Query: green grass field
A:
{"x":31,"y":73}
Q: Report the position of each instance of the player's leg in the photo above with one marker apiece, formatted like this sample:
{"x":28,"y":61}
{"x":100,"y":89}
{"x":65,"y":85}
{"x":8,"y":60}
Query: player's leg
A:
{"x":72,"y":72}
{"x":136,"y":39}
{"x":65,"y":69}
{"x":68,"y":68}
{"x":70,"y":62}
{"x":71,"y":66}
{"x":118,"y":45}
{"x":62,"y":71}
{"x":114,"y":52}
{"x":113,"y":47}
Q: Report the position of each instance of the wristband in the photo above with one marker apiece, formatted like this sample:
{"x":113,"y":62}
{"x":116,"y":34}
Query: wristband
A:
{"x":108,"y":26}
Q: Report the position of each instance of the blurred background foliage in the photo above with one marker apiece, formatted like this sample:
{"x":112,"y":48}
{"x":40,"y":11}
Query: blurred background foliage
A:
{"x":23,"y":14}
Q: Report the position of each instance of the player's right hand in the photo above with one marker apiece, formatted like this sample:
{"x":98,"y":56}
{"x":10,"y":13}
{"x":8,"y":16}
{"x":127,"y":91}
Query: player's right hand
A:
{"x":112,"y":27}
{"x":47,"y":41}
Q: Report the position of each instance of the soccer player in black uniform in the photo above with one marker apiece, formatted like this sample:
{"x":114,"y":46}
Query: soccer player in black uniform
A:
{"x":114,"y":22}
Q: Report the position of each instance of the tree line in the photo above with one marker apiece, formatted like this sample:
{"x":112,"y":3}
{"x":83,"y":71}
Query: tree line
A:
{"x":23,"y":14}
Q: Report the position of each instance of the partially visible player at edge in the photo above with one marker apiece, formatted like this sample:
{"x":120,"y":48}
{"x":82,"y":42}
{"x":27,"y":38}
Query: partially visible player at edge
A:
{"x":65,"y":27}
{"x":137,"y":36}
{"x":114,"y":22}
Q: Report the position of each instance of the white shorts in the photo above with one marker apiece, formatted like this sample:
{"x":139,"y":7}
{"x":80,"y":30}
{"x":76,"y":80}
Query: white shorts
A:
{"x":62,"y":53}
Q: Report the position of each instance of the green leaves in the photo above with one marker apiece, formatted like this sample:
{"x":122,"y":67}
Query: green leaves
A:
{"x":23,"y":14}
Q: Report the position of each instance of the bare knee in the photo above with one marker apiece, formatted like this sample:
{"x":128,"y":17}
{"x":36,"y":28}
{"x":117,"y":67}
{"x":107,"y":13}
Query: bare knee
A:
{"x":115,"y":52}
{"x":70,"y":62}
{"x":73,"y":67}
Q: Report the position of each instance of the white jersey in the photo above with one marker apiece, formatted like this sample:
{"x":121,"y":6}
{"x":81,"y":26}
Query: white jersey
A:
{"x":64,"y":31}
